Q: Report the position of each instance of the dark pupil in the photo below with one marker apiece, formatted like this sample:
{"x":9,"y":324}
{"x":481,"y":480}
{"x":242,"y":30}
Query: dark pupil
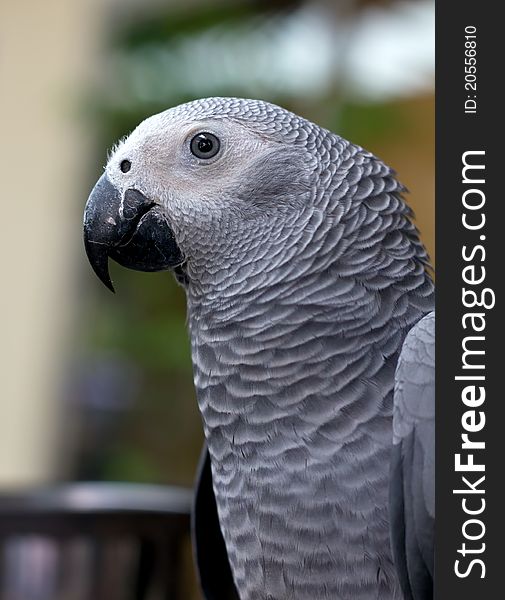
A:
{"x":125,"y":166}
{"x":204,"y":144}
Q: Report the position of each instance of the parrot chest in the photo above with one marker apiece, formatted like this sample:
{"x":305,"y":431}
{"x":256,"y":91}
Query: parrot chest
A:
{"x":300,"y":479}
{"x":302,"y":526}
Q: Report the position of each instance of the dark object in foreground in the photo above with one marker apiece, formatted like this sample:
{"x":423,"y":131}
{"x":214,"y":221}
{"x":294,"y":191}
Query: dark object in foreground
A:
{"x":212,"y":562}
{"x":93,"y":541}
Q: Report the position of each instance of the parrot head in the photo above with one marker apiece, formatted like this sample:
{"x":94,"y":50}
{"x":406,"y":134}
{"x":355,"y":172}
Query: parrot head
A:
{"x":200,"y":185}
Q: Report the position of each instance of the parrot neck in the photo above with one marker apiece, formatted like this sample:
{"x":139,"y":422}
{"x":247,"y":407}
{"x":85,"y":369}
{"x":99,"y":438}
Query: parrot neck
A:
{"x":296,"y":323}
{"x":299,"y":354}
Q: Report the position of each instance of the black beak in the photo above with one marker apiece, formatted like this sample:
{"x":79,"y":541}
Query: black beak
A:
{"x":132,"y":230}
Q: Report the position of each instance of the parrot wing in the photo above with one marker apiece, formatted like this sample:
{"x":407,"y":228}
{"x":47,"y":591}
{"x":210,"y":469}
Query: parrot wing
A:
{"x":210,"y":551}
{"x":412,"y":484}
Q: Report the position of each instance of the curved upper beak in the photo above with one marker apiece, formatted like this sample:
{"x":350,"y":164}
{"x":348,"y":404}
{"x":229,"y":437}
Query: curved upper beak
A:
{"x":131,"y":229}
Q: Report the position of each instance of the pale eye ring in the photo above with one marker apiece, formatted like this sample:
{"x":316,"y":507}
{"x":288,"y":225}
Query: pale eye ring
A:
{"x":205,"y":145}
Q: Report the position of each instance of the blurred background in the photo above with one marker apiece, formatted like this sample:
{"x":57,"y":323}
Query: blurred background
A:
{"x":96,"y":386}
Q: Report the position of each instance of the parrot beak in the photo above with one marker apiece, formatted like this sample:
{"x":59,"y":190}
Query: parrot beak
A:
{"x":131,"y":229}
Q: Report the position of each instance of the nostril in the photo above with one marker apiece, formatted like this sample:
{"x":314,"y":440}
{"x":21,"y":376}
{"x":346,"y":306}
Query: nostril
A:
{"x":125,"y":166}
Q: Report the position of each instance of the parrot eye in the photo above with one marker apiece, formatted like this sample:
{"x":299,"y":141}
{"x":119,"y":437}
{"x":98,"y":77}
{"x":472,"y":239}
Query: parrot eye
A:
{"x":125,"y":166}
{"x":205,"y":145}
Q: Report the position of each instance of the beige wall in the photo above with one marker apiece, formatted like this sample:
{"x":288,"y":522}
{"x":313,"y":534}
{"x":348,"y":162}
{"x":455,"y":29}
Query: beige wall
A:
{"x":46,"y":54}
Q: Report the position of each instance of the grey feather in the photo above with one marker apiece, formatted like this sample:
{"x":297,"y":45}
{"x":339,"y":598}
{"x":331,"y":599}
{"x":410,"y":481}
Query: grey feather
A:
{"x":413,"y":462}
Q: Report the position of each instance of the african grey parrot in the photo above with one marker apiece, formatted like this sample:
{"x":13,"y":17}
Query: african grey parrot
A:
{"x":307,"y":289}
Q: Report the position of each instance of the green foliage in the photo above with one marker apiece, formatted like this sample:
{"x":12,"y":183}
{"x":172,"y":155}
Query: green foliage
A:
{"x":365,"y":124}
